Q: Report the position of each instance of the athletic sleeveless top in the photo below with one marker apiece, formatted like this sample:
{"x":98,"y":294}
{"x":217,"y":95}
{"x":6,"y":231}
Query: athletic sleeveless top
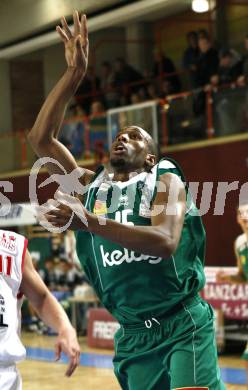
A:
{"x":135,"y":286}
{"x":241,"y":246}
{"x":12,"y":253}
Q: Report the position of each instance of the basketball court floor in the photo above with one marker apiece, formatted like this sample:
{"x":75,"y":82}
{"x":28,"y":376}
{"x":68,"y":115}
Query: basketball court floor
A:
{"x":40,"y":371}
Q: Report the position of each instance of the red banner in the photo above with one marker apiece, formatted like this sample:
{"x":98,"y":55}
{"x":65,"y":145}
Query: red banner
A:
{"x":101,"y":329}
{"x":231,"y":298}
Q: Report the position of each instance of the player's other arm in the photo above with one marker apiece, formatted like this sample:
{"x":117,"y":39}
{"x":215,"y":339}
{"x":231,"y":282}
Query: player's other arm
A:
{"x":239,"y":277}
{"x":51,"y":312}
{"x":43,"y":135}
{"x":160,"y":239}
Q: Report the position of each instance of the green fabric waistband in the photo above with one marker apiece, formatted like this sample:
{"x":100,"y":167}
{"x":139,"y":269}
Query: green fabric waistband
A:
{"x":154,"y":322}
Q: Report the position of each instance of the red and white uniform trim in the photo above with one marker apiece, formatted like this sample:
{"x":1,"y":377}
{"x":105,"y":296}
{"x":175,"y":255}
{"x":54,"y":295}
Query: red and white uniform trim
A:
{"x":12,"y":253}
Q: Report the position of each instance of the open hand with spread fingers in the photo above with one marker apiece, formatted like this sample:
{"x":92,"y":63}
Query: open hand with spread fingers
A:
{"x":67,"y":342}
{"x":76,"y":42}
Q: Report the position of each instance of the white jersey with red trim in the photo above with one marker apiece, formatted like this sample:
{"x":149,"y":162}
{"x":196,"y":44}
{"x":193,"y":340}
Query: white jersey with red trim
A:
{"x":12,"y":253}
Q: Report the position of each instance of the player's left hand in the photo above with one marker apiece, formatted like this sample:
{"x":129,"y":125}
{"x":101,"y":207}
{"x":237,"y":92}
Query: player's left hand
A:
{"x":67,"y":343}
{"x":69,"y":208}
{"x":61,"y":216}
{"x":76,"y":42}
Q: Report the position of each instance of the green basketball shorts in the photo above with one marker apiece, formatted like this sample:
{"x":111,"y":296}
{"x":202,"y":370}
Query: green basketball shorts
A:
{"x":177,"y":352}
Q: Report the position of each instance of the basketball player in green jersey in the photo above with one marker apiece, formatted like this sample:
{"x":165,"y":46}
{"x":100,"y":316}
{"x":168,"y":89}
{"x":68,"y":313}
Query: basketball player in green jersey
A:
{"x":142,"y":249}
{"x":240,"y":248}
{"x":241,"y":251}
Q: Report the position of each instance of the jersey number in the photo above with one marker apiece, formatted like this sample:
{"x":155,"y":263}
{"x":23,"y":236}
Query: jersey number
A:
{"x":6,"y":265}
{"x":2,"y":324}
{"x":5,"y":269}
{"x":121,"y":216}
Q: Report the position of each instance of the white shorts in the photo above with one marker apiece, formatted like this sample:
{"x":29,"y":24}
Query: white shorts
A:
{"x":10,"y":378}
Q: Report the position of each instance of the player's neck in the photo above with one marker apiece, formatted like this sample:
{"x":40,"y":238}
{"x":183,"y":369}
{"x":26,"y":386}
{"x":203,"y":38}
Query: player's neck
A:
{"x":125,"y":176}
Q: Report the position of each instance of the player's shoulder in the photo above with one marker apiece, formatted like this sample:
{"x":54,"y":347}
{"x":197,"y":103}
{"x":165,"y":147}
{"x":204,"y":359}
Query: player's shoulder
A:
{"x":240,"y":241}
{"x":9,"y":234}
{"x":10,"y":241}
{"x":169,"y":166}
{"x":165,"y":163}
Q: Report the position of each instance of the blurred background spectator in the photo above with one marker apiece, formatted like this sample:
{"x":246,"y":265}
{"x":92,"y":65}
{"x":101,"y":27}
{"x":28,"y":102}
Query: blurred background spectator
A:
{"x":152,"y":92}
{"x":228,"y":70}
{"x":69,"y":276}
{"x":208,"y":61}
{"x":191,"y":56}
{"x":166,"y":89}
{"x":98,"y":130}
{"x":97,"y":109}
{"x":163,"y":68}
{"x":243,"y":78}
{"x":48,"y":274}
{"x":125,"y":74}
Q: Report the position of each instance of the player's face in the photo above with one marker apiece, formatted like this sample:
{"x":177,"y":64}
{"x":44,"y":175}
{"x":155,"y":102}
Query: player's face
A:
{"x":243,"y":217}
{"x":130,"y":149}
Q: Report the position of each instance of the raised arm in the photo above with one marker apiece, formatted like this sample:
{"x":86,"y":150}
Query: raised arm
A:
{"x":51,"y":312}
{"x":43,"y":135}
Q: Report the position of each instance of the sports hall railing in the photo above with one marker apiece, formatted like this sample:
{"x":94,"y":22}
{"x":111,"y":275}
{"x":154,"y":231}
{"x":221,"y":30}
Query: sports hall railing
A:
{"x":205,"y":113}
{"x":183,"y":117}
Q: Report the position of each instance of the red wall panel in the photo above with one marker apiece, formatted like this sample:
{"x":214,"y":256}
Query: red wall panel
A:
{"x":218,"y":163}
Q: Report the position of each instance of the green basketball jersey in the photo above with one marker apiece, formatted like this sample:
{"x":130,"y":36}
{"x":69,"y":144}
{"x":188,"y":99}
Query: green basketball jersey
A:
{"x":135,"y":286}
{"x":241,"y":246}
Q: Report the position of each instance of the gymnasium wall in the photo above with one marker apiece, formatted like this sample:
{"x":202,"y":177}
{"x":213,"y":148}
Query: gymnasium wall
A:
{"x":27,"y":92}
{"x":237,"y":26}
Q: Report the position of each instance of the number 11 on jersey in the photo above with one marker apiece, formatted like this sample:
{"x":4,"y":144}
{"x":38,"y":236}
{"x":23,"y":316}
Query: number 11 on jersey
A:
{"x":6,"y":265}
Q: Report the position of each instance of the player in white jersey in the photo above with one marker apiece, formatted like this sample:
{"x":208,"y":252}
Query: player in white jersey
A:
{"x":18,"y":277}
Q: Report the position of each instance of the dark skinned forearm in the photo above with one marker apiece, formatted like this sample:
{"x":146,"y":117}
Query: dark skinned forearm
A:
{"x":48,"y":122}
{"x":149,"y":240}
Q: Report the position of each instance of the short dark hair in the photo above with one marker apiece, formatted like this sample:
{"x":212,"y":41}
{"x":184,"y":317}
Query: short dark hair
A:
{"x":120,"y":59}
{"x":192,"y":34}
{"x":203,"y":34}
{"x":226,"y":53}
{"x":106,"y":64}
